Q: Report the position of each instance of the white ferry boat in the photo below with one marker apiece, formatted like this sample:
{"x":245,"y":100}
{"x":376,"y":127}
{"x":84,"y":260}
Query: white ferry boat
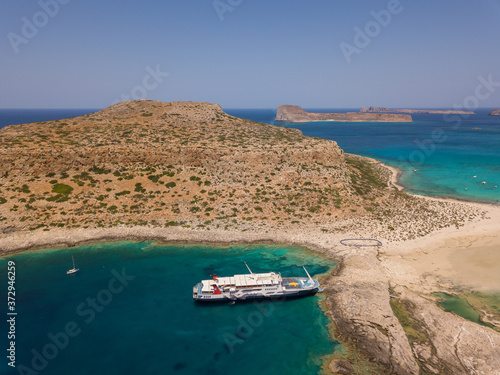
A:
{"x":254,"y":285}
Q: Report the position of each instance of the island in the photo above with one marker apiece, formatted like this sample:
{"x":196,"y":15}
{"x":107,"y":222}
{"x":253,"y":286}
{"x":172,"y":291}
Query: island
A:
{"x":294,"y":113}
{"x":188,"y":172}
{"x":495,"y":112}
{"x":413,"y":111}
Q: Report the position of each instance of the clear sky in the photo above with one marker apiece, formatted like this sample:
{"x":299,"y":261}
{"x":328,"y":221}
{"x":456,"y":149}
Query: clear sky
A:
{"x":248,"y":53}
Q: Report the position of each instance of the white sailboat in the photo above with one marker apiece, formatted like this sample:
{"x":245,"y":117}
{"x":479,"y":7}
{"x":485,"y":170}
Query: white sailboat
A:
{"x":74,"y":269}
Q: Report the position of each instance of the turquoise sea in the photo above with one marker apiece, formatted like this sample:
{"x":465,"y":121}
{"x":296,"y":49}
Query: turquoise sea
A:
{"x":130,"y":311}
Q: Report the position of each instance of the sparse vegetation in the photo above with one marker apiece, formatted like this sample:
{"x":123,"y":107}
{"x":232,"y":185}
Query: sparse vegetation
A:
{"x":199,"y":166}
{"x":62,"y":189}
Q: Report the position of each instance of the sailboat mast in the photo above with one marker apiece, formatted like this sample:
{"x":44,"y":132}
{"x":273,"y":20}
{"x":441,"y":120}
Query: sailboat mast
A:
{"x":73,"y":261}
{"x":310,"y":278}
{"x":248,"y":267}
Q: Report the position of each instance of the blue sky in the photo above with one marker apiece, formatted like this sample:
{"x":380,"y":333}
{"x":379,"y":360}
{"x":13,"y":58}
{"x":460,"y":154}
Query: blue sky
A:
{"x":252,"y":54}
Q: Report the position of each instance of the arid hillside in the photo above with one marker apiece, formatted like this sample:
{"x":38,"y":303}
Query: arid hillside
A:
{"x":151,"y":163}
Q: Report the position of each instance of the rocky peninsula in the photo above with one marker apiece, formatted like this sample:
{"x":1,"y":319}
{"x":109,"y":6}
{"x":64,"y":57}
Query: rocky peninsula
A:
{"x":188,"y":172}
{"x":495,"y":112}
{"x":413,"y":111}
{"x":294,"y":113}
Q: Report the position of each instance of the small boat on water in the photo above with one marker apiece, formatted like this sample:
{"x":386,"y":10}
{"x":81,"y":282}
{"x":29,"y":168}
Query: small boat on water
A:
{"x":254,"y":286}
{"x":74,"y":269}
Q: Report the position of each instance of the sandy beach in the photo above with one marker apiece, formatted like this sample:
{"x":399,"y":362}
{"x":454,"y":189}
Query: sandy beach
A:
{"x":467,"y":258}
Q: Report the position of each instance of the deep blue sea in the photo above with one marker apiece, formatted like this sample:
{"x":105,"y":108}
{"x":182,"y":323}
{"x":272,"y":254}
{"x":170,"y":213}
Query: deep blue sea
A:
{"x":144,"y":321}
{"x":23,"y":116}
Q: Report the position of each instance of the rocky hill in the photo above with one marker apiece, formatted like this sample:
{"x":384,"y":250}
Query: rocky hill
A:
{"x":294,"y":113}
{"x":190,"y":164}
{"x":412,"y":111}
{"x":495,"y":112}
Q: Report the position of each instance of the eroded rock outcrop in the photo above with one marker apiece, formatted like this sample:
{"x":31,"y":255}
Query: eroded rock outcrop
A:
{"x":363,"y":313}
{"x":495,"y":112}
{"x":449,"y":344}
{"x":401,"y":329}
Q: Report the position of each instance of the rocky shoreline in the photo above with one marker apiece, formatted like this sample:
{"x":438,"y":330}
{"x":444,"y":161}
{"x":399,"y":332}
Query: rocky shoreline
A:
{"x":495,"y":112}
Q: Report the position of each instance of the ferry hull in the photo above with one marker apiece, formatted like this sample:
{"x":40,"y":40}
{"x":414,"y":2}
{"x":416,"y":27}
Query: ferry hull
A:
{"x":253,"y":297}
{"x":287,"y":288}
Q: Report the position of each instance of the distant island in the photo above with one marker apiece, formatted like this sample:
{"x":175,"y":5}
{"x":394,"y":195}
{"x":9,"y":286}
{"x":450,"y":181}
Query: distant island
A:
{"x":415,"y":111}
{"x":295,"y":113}
{"x":495,"y":112}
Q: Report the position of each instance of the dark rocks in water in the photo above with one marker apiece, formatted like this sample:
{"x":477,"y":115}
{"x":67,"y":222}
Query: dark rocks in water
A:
{"x":179,"y":366}
{"x":341,"y":366}
{"x":210,"y":269}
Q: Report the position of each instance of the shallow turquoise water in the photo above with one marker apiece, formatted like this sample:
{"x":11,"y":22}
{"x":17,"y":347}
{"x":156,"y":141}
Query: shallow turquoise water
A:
{"x":153,"y":326}
{"x":460,"y":307}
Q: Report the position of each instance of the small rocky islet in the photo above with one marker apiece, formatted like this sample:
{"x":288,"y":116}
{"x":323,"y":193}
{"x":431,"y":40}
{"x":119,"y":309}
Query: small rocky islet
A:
{"x":295,"y":113}
{"x":414,"y":111}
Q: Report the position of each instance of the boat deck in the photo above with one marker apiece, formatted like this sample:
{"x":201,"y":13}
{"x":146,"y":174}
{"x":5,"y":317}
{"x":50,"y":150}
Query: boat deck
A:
{"x":291,"y":283}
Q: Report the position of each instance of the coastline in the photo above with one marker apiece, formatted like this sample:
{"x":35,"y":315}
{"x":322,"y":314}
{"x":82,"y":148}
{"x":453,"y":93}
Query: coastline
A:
{"x":450,"y":241}
{"x":394,"y":180}
{"x":33,"y":240}
{"x":74,"y":237}
{"x":410,"y":269}
{"x":36,"y":240}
